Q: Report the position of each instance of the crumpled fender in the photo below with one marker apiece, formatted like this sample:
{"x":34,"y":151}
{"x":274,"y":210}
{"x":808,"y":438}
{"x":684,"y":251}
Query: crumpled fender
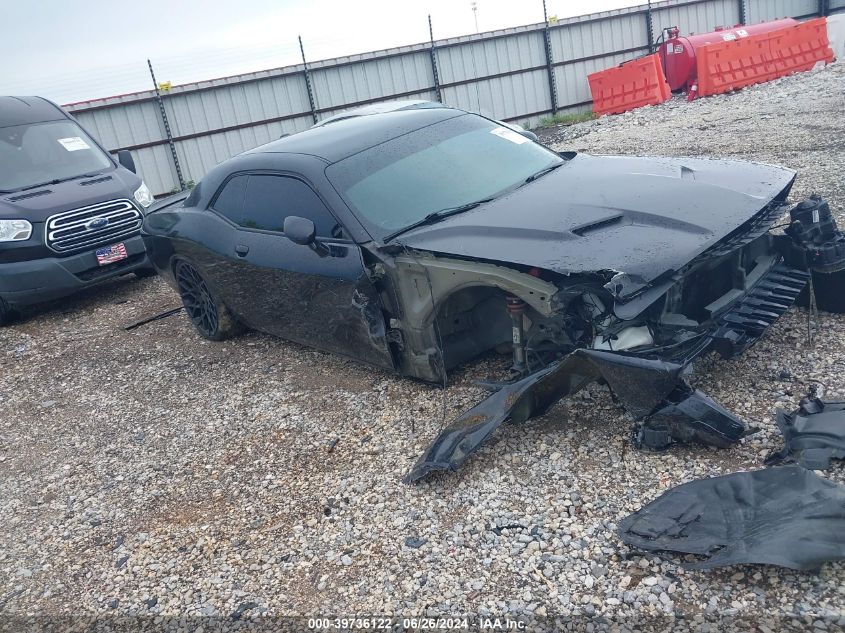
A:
{"x":642,"y":385}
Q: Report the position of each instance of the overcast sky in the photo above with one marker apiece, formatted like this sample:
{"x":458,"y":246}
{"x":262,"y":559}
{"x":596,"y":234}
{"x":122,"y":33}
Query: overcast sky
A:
{"x":73,"y":51}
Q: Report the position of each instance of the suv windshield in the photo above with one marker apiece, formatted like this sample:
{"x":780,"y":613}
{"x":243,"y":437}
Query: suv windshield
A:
{"x":41,"y":153}
{"x":443,"y":166}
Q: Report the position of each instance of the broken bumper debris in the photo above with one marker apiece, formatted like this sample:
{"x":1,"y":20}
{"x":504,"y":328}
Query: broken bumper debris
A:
{"x":785,"y":516}
{"x":687,"y":416}
{"x":813,"y":435}
{"x":812,"y":241}
{"x":651,"y":390}
{"x":668,"y":410}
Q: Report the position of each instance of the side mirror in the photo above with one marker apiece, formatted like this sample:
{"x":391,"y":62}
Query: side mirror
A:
{"x":300,"y":230}
{"x":124,"y":157}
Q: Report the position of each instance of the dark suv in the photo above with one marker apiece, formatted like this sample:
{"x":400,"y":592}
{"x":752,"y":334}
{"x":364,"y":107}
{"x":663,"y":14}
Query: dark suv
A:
{"x":70,"y":214}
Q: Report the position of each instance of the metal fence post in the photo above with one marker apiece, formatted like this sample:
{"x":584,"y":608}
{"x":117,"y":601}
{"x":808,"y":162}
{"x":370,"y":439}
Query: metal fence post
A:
{"x":167,"y":129}
{"x":743,"y":12}
{"x":308,"y":81}
{"x":433,"y":54}
{"x":649,"y":28}
{"x":547,"y":42}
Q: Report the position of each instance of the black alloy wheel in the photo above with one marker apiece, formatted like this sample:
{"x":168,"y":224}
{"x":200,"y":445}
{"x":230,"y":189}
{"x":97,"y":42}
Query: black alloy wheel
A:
{"x":209,"y":315}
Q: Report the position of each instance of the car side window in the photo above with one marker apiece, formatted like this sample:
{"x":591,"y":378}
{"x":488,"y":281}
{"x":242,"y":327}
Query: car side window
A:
{"x":270,"y":199}
{"x":263,"y":201}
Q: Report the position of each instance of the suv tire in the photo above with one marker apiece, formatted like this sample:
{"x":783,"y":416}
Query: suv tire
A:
{"x":143,"y":273}
{"x":6,"y":313}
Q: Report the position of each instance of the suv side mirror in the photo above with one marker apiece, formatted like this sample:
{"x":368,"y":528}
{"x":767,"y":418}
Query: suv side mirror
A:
{"x":124,"y":157}
{"x":300,"y":230}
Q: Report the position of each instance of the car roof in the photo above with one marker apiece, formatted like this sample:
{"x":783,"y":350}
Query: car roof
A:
{"x":381,"y":108}
{"x":349,"y":136}
{"x":23,"y":110}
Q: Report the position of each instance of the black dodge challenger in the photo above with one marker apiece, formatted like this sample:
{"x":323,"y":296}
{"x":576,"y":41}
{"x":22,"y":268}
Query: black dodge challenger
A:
{"x":418,"y":237}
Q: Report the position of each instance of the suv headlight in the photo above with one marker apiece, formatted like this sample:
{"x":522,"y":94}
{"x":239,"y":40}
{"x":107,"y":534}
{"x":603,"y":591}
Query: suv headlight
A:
{"x":143,"y":195}
{"x":15,"y":230}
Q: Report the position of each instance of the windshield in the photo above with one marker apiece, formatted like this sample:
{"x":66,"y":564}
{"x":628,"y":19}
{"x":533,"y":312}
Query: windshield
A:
{"x":38,"y":153}
{"x":442,"y":166}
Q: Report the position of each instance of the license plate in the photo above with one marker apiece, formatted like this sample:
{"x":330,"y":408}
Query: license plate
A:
{"x":111,"y":254}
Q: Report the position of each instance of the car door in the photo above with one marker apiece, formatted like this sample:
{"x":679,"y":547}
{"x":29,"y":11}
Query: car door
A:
{"x":322,"y":298}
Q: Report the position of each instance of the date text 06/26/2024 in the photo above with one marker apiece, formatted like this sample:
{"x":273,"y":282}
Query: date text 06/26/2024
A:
{"x":383,"y":623}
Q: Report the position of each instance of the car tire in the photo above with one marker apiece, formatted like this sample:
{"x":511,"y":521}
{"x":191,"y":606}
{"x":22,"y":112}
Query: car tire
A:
{"x":209,"y":315}
{"x":5,"y":312}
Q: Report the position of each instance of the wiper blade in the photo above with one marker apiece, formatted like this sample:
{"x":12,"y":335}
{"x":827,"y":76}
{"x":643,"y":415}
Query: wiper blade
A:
{"x":56,"y":181}
{"x":436,"y":216}
{"x":35,"y":186}
{"x":542,"y":172}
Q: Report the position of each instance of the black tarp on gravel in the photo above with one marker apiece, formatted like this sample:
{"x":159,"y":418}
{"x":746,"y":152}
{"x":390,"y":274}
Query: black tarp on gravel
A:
{"x":785,"y":516}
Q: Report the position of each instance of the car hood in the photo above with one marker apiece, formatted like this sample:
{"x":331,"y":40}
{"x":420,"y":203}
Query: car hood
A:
{"x":36,"y":205}
{"x":636,"y":216}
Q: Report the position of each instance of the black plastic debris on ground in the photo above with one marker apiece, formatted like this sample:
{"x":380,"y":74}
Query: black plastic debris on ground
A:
{"x":813,"y":434}
{"x":157,"y":317}
{"x":646,"y":387}
{"x":687,"y":415}
{"x":243,"y":607}
{"x":786,"y":516}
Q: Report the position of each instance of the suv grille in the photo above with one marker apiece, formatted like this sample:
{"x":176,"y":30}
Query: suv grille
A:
{"x":92,"y":226}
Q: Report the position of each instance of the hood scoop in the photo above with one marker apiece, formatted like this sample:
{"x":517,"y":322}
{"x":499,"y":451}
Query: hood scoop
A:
{"x":94,"y":181}
{"x":595,"y":225}
{"x":29,"y":194}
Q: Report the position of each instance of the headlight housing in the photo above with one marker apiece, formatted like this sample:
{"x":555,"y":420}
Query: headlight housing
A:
{"x":15,"y":230}
{"x":143,"y":195}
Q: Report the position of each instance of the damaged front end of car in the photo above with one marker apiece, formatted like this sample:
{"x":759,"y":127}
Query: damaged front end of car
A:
{"x":640,"y":337}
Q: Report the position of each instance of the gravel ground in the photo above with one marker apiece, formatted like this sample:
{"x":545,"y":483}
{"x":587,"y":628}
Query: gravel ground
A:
{"x":151,"y":473}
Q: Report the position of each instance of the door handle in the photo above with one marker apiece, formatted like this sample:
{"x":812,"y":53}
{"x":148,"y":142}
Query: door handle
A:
{"x":241,"y":250}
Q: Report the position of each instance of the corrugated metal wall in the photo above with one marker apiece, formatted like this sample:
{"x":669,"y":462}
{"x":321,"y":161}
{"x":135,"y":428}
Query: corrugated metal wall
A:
{"x":502,"y":74}
{"x":762,"y":10}
{"x":702,"y":17}
{"x":505,"y":76}
{"x":586,"y":46}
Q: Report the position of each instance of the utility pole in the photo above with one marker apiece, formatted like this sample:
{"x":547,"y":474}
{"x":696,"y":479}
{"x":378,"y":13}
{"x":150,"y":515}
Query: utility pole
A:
{"x":649,"y":27}
{"x":434,"y":62}
{"x":308,"y":82}
{"x":167,"y":129}
{"x":550,"y":71}
{"x":474,"y":6}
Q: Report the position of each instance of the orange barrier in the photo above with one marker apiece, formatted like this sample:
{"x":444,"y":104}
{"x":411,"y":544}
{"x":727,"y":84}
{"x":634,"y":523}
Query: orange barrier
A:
{"x":729,"y":65}
{"x":630,"y":85}
{"x":802,"y":47}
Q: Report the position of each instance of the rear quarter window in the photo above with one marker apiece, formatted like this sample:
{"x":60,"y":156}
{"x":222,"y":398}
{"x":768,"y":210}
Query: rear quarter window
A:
{"x":230,"y":201}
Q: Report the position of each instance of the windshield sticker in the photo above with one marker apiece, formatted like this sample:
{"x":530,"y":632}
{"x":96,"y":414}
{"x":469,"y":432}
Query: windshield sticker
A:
{"x":510,"y":135}
{"x":73,"y":143}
